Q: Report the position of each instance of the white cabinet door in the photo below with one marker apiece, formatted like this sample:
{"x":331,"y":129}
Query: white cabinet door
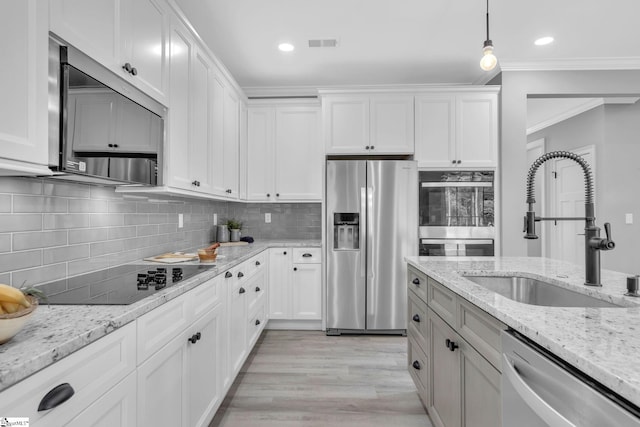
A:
{"x":391,"y":124}
{"x":218,"y":87}
{"x":144,"y":29}
{"x":306,"y":290}
{"x":201,"y":144}
{"x":162,"y":386}
{"x":231,"y":138}
{"x":237,"y":327}
{"x":116,"y":408}
{"x":298,"y":154}
{"x":476,"y":130}
{"x":435,"y":130}
{"x":206,"y":359}
{"x":92,"y":26}
{"x":23,"y":84}
{"x":94,"y":121}
{"x":280,"y":283}
{"x":180,"y":54}
{"x":260,"y":153}
{"x":346,"y":123}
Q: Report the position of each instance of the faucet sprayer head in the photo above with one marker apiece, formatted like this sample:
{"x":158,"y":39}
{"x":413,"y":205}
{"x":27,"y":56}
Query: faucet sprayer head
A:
{"x":530,"y":225}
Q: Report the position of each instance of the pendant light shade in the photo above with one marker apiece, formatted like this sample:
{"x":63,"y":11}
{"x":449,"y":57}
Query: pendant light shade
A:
{"x":489,"y":60}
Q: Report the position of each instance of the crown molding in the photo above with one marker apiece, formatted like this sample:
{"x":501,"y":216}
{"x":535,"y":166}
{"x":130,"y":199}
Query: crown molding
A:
{"x":589,"y":105}
{"x":626,"y":63}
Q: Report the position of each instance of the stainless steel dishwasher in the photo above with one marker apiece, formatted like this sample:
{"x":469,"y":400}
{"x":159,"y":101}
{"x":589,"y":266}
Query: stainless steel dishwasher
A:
{"x":539,"y":390}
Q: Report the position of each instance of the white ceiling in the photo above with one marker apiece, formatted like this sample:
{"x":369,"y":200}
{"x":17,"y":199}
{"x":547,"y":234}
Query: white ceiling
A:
{"x":382,"y":42}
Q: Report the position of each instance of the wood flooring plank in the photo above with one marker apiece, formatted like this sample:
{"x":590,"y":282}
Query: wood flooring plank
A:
{"x":305,"y":378}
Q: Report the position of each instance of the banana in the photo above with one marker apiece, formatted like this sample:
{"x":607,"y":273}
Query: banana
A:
{"x":13,"y":295}
{"x":10,"y":307}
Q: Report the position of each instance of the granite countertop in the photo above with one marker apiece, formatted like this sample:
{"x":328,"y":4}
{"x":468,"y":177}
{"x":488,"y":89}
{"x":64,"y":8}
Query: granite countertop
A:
{"x":602,"y":342}
{"x":56,"y":331}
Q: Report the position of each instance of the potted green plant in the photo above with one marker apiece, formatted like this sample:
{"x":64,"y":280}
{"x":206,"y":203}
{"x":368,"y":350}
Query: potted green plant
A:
{"x":234,"y":229}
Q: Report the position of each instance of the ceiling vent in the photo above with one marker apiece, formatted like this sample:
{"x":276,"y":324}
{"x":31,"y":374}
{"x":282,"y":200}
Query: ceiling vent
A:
{"x":323,"y":43}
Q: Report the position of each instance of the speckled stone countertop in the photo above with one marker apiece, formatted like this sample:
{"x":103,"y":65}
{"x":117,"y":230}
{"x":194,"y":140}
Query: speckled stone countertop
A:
{"x":56,"y":331}
{"x":602,"y":342}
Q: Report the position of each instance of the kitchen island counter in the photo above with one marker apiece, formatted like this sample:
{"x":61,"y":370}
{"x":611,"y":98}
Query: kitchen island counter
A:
{"x":602,"y":342}
{"x":55,"y":331}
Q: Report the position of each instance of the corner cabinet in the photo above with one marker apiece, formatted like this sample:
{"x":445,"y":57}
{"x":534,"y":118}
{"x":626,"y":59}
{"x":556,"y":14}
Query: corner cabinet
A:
{"x":453,"y":356}
{"x":284,"y":154}
{"x":23,"y":83}
{"x":128,"y":37}
{"x":368,"y":123}
{"x":457,"y":129}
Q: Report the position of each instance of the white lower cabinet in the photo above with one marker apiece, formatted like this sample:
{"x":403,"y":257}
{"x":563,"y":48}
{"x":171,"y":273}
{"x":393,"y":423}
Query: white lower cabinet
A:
{"x":295,"y":285}
{"x":452,"y":356}
{"x":95,"y":374}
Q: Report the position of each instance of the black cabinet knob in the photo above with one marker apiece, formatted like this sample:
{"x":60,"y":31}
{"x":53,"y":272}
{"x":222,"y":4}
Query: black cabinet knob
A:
{"x":284,"y":253}
{"x":372,"y":147}
{"x":257,"y":322}
{"x":416,"y":365}
{"x":416,"y":318}
{"x":451,"y":345}
{"x":56,"y":396}
{"x":134,"y":71}
{"x":257,"y":263}
{"x":268,"y":195}
{"x":115,"y":145}
{"x":110,"y":145}
{"x":453,"y":162}
{"x":257,"y":288}
{"x":227,"y":275}
{"x":459,"y":161}
{"x":127,"y":67}
{"x":295,"y":268}
{"x":416,"y":281}
{"x":240,"y":274}
{"x":242,"y":291}
{"x":195,"y":338}
{"x":277,"y":194}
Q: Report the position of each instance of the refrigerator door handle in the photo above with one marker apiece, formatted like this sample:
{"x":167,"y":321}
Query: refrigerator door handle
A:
{"x":371,"y":243}
{"x":363,"y":228}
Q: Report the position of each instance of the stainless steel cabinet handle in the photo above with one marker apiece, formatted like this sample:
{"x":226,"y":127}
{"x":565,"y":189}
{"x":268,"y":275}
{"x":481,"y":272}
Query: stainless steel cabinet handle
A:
{"x":535,"y":402}
{"x":56,"y":396}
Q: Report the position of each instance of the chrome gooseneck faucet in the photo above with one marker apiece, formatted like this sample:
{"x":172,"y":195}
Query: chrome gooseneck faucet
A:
{"x":593,"y":243}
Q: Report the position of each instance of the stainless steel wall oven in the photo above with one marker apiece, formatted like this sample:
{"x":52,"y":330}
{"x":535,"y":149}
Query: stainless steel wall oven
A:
{"x":456,"y":213}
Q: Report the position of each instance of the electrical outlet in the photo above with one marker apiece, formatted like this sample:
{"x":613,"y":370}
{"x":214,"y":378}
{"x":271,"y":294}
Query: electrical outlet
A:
{"x":180,"y":220}
{"x":628,"y":218}
{"x":215,"y":219}
{"x":267,"y":218}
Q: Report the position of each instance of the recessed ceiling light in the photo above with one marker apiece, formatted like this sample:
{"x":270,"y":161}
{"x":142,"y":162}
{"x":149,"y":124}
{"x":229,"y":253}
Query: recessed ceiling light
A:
{"x":543,"y":41}
{"x":285,"y":47}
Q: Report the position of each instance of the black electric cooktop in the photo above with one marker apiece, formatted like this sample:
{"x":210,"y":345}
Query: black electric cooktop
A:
{"x":120,"y":285}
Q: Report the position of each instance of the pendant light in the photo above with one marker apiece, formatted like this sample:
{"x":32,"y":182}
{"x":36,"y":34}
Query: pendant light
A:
{"x":489,"y":60}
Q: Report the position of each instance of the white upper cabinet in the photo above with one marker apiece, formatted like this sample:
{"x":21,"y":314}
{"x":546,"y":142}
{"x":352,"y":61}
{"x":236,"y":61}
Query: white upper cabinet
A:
{"x":457,"y":129}
{"x":128,"y":37}
{"x":230,"y":142}
{"x":23,"y":83}
{"x":284,"y":152}
{"x":368,"y":123}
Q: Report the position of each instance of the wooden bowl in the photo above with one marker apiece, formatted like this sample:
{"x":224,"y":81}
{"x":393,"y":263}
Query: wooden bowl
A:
{"x":11,"y":324}
{"x":207,"y":255}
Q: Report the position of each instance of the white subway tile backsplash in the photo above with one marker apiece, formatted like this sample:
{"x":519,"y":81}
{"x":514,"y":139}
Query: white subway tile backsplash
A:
{"x":22,"y":222}
{"x":39,"y":239}
{"x":52,"y":229}
{"x":58,"y":221}
{"x":29,"y":204}
{"x":64,"y":253}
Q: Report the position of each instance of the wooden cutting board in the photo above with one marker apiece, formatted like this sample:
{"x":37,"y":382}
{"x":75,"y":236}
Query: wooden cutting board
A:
{"x":172,"y":258}
{"x":234,"y":243}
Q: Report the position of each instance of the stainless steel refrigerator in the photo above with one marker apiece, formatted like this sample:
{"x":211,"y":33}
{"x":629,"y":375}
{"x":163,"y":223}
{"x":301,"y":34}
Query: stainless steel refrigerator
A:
{"x":372,"y":224}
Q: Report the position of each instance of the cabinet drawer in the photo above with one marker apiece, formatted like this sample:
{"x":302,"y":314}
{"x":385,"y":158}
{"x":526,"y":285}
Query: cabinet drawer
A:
{"x":306,"y":255}
{"x":443,"y":301}
{"x":90,"y":371}
{"x":418,"y":283}
{"x":482,"y":331}
{"x":257,"y":322}
{"x":417,"y":325}
{"x":206,"y":296}
{"x":418,"y":365}
{"x":256,"y":264}
{"x":256,"y":289}
{"x":161,"y":325}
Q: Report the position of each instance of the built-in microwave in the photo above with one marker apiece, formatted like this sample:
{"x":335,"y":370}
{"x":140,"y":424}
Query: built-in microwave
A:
{"x":456,"y":213}
{"x":102,"y":129}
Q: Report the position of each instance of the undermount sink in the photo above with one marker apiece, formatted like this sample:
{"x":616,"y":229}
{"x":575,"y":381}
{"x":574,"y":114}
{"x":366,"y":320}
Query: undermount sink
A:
{"x":536,"y":292}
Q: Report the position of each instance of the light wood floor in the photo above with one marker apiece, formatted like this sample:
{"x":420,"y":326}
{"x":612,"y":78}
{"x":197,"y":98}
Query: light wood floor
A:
{"x":304,"y":378}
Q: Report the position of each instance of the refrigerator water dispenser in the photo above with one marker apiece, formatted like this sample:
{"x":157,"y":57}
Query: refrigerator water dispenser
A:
{"x":346,"y":234}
